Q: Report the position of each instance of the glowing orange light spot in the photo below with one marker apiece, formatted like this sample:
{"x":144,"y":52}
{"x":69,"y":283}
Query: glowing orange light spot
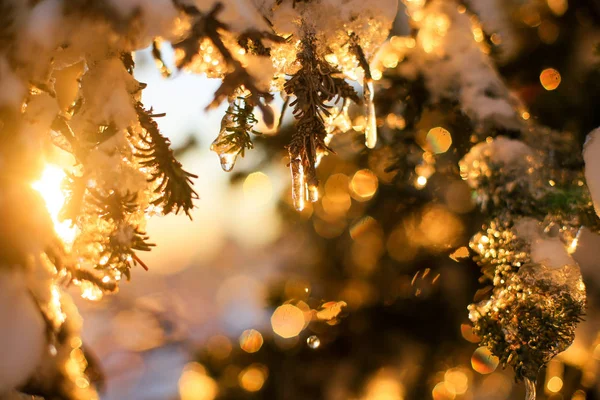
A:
{"x":550,"y":78}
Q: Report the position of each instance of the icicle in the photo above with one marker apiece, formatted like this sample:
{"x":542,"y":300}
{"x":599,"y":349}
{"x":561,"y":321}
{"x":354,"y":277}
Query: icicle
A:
{"x":371,"y":120}
{"x":321,"y":152}
{"x":312,"y":193}
{"x":529,"y":389}
{"x":226,"y":151}
{"x":298,"y":184}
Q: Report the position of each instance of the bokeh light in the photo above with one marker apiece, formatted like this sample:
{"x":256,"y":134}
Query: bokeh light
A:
{"x":483,"y":361}
{"x":251,"y":341}
{"x":287,"y":321}
{"x":554,"y":384}
{"x":550,"y":79}
{"x":438,"y":140}
{"x":258,"y":188}
{"x":195,"y":384}
{"x":364,"y":185}
{"x":253,"y":377}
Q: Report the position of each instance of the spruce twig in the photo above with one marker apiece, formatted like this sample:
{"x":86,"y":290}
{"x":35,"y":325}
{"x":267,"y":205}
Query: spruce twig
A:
{"x":208,"y":26}
{"x":175,"y":184}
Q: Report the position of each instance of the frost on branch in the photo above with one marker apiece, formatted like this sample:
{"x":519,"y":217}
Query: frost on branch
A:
{"x":313,"y":87}
{"x":537,"y":298}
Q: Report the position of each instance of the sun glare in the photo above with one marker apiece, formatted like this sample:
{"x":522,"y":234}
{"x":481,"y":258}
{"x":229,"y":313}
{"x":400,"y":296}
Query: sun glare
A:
{"x":49,"y":186}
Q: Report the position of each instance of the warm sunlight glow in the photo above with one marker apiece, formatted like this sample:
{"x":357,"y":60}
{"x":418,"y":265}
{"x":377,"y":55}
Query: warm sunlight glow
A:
{"x":49,"y":186}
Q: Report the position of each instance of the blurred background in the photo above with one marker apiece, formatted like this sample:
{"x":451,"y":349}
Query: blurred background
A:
{"x":362,"y":295}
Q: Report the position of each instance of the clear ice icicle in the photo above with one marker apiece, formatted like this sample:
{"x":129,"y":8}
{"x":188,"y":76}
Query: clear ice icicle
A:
{"x":529,"y":389}
{"x":312,"y":192}
{"x":371,"y":119}
{"x":225,"y":149}
{"x":298,"y":184}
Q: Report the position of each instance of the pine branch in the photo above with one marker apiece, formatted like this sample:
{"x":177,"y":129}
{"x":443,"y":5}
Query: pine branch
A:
{"x":158,"y":60}
{"x":236,"y":126}
{"x":208,"y":26}
{"x":252,"y":41}
{"x":128,"y":62}
{"x":315,"y":85}
{"x":120,"y":246}
{"x":175,"y":184}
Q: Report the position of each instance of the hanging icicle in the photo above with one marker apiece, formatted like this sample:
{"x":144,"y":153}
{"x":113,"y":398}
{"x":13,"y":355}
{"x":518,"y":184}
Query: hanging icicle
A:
{"x":234,"y":136}
{"x":298,"y":184}
{"x":371,"y":119}
{"x":529,"y":389}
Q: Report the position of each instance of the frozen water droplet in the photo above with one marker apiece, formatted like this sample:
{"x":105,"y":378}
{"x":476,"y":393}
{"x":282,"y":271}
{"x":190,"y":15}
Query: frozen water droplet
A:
{"x":298,"y":184}
{"x":371,"y":119}
{"x":224,"y":148}
{"x":227,"y":157}
{"x":529,"y":389}
{"x":313,"y":342}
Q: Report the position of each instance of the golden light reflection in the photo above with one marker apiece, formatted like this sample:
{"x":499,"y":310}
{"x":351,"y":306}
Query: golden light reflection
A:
{"x":483,"y":361}
{"x":330,"y":310}
{"x":49,"y":187}
{"x":364,"y":185}
{"x":253,"y":377}
{"x":251,"y":341}
{"x":550,"y":79}
{"x":439,"y":227}
{"x":287,"y":321}
{"x":466,"y":330}
{"x":384,"y":386}
{"x":442,"y":391}
{"x":219,"y":347}
{"x":421,"y":182}
{"x":194,"y":384}
{"x":457,"y":379}
{"x":558,"y":7}
{"x":548,"y":32}
{"x":439,"y":140}
{"x":258,"y":188}
{"x":90,"y":291}
{"x":554,"y":384}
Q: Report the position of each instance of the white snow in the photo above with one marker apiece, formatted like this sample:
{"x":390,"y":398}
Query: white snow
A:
{"x":22,"y":332}
{"x":549,"y":251}
{"x":13,"y":89}
{"x":456,"y":66}
{"x":511,"y":153}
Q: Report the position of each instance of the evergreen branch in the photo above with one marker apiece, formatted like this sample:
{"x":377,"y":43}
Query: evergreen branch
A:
{"x":208,"y":26}
{"x":128,"y":63}
{"x":251,"y":41}
{"x":114,"y":207}
{"x":175,"y":184}
{"x":315,"y":85}
{"x":162,"y":67}
{"x":236,"y":127}
{"x":121,"y":255}
{"x":120,"y":246}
